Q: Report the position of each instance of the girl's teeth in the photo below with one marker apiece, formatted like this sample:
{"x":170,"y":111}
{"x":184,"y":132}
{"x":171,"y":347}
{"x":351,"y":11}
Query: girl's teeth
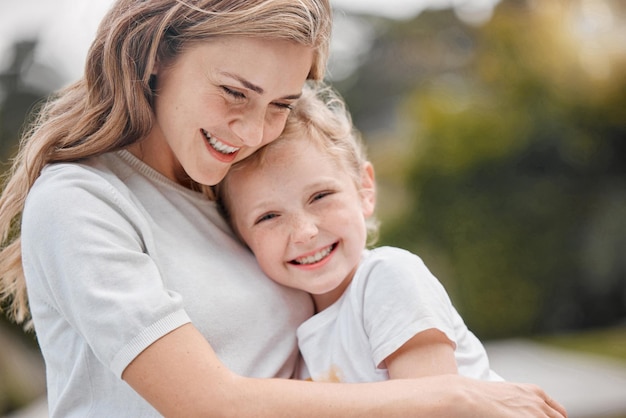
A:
{"x":312,"y":259}
{"x":219,"y":146}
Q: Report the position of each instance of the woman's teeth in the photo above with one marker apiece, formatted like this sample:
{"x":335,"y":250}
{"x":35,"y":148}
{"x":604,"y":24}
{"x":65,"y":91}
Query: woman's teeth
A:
{"x":219,"y":146}
{"x":312,"y":259}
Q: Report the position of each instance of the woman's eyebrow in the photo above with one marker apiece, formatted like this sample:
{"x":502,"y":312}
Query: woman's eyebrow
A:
{"x":247,"y":84}
{"x":257,"y":89}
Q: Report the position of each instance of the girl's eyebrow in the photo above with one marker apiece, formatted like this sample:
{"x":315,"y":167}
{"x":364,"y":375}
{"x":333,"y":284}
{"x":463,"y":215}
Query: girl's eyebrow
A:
{"x":257,"y":89}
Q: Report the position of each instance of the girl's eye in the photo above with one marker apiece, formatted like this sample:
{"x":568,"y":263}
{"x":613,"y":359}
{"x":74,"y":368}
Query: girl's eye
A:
{"x":266,"y":217}
{"x":320,"y":195}
{"x":234,"y":93}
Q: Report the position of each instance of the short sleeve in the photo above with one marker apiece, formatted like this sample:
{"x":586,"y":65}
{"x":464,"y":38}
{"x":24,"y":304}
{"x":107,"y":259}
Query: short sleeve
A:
{"x":401,"y":298}
{"x":85,"y":255}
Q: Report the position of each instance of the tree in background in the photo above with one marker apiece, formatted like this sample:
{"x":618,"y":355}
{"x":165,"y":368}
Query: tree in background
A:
{"x":514,"y":139}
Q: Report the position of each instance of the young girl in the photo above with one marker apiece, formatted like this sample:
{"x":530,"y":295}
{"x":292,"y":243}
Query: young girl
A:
{"x":302,"y":204}
{"x":143,"y":302}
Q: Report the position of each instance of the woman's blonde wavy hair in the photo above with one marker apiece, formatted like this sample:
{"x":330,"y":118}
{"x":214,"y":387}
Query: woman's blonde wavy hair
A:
{"x":110,"y":107}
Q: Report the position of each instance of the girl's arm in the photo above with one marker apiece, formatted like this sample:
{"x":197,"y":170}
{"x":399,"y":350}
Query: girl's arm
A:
{"x":180,"y":375}
{"x":428,"y":353}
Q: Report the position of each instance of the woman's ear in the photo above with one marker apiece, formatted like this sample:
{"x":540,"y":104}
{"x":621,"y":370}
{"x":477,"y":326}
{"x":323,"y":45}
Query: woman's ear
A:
{"x":155,"y":68}
{"x":153,"y":77}
{"x":368,"y":189}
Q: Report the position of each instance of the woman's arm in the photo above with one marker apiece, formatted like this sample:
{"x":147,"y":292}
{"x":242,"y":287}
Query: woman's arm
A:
{"x":180,"y":375}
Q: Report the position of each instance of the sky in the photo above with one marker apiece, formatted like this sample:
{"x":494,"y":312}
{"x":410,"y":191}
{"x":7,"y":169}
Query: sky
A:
{"x":405,"y":9}
{"x":66,"y":27}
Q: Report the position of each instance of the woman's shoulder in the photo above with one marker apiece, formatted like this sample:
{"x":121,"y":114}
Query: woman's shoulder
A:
{"x":98,"y":169}
{"x":71,"y":199}
{"x":74,"y":186}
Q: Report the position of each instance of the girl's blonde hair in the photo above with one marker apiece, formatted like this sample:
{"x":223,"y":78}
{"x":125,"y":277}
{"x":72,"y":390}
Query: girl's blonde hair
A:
{"x":320,"y":116}
{"x":110,"y":107}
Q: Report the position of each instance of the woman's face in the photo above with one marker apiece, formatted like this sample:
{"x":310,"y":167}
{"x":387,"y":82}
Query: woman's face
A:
{"x":218,"y":102}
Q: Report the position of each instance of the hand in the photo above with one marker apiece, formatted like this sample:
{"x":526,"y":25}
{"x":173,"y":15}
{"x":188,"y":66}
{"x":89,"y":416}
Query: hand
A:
{"x":509,"y":400}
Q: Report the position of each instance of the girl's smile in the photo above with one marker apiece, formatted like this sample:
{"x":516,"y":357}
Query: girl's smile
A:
{"x":315,"y":259}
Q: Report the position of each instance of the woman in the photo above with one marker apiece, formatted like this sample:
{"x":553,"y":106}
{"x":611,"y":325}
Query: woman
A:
{"x":142,"y":300}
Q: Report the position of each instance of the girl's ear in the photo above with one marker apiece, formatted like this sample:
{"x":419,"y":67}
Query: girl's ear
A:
{"x":368,"y":189}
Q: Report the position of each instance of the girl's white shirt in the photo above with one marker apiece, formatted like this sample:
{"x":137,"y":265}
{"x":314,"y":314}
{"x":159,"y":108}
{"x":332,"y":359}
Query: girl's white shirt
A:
{"x":392,"y":297}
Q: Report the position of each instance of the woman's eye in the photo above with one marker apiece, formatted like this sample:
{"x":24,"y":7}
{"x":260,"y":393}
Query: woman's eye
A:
{"x":284,"y":106}
{"x":234,"y":93}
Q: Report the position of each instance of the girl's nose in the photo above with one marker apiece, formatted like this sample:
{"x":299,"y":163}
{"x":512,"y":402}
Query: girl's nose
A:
{"x":304,"y":228}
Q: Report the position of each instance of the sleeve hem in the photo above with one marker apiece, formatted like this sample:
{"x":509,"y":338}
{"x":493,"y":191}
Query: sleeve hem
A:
{"x":145,"y":338}
{"x":394,"y":344}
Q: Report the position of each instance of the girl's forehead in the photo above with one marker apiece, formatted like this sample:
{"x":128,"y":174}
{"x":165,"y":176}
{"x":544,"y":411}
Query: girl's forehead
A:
{"x":309,"y":154}
{"x":288,"y":149}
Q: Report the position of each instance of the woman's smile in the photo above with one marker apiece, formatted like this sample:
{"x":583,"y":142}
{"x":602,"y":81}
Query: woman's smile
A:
{"x":228,"y":152}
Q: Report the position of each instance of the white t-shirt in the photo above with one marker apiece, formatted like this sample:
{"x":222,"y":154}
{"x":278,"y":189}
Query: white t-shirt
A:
{"x":116,"y":256}
{"x":392,"y":297}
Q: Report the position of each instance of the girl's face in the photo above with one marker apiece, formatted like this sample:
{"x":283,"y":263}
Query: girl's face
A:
{"x":303,"y":216}
{"x":218,"y":102}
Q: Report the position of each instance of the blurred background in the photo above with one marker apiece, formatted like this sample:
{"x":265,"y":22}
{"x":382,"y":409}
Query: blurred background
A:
{"x":498,"y":133}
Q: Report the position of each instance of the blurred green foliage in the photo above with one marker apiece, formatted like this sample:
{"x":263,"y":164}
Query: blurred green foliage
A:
{"x":499,"y":152}
{"x":514,"y":146}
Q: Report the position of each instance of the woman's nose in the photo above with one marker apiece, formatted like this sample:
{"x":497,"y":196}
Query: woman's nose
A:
{"x":249,"y":127}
